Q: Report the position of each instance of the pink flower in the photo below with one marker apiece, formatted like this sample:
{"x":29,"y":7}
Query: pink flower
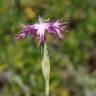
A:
{"x":38,"y":30}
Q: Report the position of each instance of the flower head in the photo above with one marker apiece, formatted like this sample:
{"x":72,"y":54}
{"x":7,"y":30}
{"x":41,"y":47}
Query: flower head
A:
{"x":38,"y":30}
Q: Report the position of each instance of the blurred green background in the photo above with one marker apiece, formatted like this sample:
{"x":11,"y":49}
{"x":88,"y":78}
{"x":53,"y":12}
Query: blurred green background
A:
{"x":73,"y":60}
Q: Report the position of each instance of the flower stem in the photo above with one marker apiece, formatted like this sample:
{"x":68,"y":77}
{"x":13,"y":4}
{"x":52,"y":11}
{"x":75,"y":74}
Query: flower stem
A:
{"x":46,"y":68}
{"x":47,"y":87}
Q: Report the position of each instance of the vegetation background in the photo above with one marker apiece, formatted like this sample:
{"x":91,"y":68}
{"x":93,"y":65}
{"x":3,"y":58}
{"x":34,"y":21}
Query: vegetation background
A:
{"x":73,"y":60}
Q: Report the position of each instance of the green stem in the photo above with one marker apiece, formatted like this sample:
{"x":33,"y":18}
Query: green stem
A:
{"x":46,"y":68}
{"x":47,"y":87}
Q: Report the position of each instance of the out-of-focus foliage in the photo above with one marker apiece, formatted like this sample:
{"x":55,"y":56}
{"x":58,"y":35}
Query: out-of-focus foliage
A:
{"x":73,"y":60}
